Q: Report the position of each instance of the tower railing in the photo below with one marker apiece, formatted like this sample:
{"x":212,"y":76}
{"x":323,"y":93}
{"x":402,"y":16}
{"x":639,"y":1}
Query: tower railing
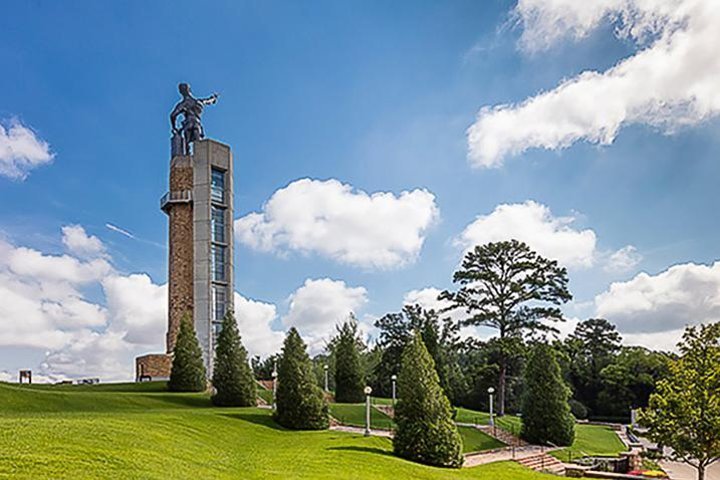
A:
{"x":181,"y":196}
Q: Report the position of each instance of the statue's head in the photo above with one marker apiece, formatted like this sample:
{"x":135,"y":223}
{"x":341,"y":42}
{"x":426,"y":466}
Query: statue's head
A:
{"x":184,"y":89}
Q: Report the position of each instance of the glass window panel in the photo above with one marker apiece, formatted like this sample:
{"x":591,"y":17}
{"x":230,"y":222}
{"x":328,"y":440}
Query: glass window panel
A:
{"x":218,"y":224}
{"x":219,"y":302}
{"x":217,"y":185}
{"x":218,"y":262}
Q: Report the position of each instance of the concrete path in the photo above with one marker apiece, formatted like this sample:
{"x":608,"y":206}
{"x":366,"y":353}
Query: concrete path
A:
{"x":683,"y":471}
{"x":503,"y":455}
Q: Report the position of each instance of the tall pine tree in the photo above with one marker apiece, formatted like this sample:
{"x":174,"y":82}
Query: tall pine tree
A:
{"x":349,"y":378}
{"x":300,"y":402}
{"x":509,"y":287}
{"x":425,"y":430}
{"x":546,"y":411}
{"x":232,"y":377}
{"x":188,"y":370}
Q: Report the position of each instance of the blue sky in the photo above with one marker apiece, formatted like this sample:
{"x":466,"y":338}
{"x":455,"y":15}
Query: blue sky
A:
{"x":377,"y":96}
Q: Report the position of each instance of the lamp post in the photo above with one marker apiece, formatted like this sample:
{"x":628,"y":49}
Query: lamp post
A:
{"x":274,"y":380}
{"x":394,"y":379}
{"x":491,"y":391}
{"x":325,"y":367}
{"x":368,"y":391}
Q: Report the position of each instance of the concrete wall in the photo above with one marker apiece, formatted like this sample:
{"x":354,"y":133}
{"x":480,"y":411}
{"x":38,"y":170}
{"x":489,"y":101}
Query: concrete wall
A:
{"x":208,"y":154}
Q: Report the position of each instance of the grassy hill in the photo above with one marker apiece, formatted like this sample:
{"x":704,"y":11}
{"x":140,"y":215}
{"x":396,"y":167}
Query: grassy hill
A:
{"x":140,"y":431}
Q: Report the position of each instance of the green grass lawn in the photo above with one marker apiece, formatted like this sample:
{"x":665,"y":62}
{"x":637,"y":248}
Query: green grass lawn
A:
{"x":265,"y":394}
{"x":511,"y":423}
{"x":96,"y":433}
{"x":476,"y":441}
{"x":354,"y":414}
{"x":592,"y":440}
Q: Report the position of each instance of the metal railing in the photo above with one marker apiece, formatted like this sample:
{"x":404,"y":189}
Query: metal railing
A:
{"x":181,"y":196}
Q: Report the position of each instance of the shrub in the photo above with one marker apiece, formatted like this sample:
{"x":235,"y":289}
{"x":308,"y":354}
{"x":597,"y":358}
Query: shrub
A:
{"x":300,"y":402}
{"x":425,"y":431}
{"x":578,"y":410}
{"x":188,"y":370}
{"x":232,"y":377}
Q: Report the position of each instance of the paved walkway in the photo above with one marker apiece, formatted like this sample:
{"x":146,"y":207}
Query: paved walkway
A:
{"x":503,"y":455}
{"x":683,"y":471}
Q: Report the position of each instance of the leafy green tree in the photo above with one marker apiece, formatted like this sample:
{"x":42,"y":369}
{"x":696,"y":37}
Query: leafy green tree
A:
{"x":232,"y":377}
{"x":629,"y":380}
{"x":300,"y":402}
{"x":684,"y":413}
{"x":592,"y":347}
{"x":188,"y":370}
{"x":262,"y":369}
{"x":349,"y":377}
{"x":439,"y":336}
{"x":546,"y":411}
{"x":425,"y":430}
{"x":509,"y":287}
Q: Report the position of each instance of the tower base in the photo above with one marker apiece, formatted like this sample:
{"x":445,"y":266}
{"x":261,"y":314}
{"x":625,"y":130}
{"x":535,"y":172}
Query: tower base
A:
{"x":153,"y":366}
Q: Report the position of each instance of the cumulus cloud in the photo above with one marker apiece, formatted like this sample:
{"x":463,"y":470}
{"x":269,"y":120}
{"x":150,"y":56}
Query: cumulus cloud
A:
{"x":255,"y":319}
{"x":380,"y":230}
{"x":318,"y":305}
{"x":78,"y":242}
{"x":682,"y":295}
{"x":138,"y":308}
{"x":46,"y":306}
{"x":623,"y":260}
{"x":670,"y":82}
{"x":533,"y":223}
{"x":21,"y":151}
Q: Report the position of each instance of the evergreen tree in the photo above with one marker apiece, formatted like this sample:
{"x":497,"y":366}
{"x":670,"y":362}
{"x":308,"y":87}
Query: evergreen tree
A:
{"x":425,"y":430}
{"x":546,"y":411}
{"x":188,"y":370}
{"x":509,"y":287}
{"x":232,"y":377}
{"x":300,"y":402}
{"x":349,"y":378}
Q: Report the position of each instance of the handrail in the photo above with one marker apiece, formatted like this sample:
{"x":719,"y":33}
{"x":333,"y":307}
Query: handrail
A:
{"x":178,"y":196}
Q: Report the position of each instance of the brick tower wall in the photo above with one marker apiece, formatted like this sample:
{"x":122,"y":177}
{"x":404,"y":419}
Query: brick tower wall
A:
{"x":180,"y":258}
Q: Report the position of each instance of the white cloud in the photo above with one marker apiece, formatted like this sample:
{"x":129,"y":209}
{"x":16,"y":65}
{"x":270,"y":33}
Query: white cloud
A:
{"x":45,"y":306}
{"x":670,"y":82}
{"x":686,"y":294}
{"x":79,"y":243}
{"x":255,"y":321}
{"x":623,"y":260}
{"x":138,"y":308}
{"x":317,"y":306}
{"x":534,"y":224}
{"x":331,"y":219}
{"x":21,"y":151}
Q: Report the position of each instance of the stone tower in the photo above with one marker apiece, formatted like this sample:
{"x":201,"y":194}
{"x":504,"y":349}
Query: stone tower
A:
{"x":199,"y":206}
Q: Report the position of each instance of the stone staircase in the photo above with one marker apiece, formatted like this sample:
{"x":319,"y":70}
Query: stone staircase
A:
{"x":543,"y":462}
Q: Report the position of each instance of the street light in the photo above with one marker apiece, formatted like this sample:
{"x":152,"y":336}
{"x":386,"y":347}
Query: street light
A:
{"x":367,"y":391}
{"x":325,"y":367}
{"x":394,"y":379}
{"x":491,"y":391}
{"x":274,"y":377}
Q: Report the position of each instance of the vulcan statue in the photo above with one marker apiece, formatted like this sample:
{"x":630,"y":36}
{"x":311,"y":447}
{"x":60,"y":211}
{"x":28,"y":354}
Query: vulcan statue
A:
{"x":191,"y":129}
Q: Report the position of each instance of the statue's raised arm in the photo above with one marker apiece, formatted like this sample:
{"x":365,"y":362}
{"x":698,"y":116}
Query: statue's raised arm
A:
{"x":191,"y":128}
{"x":211,"y":100}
